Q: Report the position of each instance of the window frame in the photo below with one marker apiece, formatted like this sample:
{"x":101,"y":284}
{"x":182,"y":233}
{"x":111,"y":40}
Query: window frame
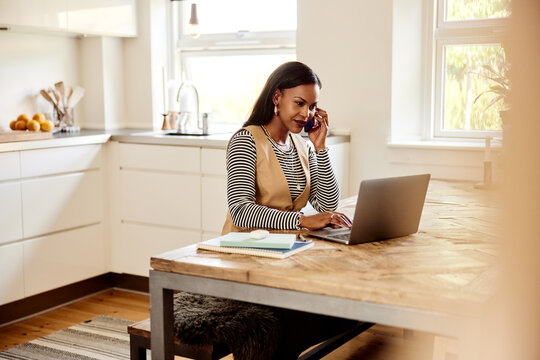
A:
{"x":458,"y":32}
{"x":235,"y":43}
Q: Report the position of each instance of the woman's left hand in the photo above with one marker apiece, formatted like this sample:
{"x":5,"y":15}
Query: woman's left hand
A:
{"x":317,"y":136}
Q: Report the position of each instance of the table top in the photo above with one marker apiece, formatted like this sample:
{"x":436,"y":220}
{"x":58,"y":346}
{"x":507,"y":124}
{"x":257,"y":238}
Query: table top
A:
{"x":449,"y":266}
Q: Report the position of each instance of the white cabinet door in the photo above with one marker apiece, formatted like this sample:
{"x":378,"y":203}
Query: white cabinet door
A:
{"x":161,"y":198}
{"x":10,"y":212}
{"x":213,"y":161}
{"x":9,"y":166}
{"x":184,"y":159}
{"x":60,"y":160}
{"x":339,"y":158}
{"x":214,"y":203}
{"x":48,"y":15}
{"x":132,"y":250}
{"x":11,"y":273}
{"x":61,"y":202}
{"x":63,"y":258}
{"x":103,"y":17}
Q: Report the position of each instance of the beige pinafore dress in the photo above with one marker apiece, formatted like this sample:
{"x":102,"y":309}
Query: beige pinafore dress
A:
{"x":271,"y":187}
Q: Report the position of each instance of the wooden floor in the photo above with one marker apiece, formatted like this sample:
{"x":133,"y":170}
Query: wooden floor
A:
{"x":379,"y":342}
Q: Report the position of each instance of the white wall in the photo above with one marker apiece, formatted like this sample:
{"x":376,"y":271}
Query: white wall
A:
{"x":370,"y":57}
{"x":410,"y":69}
{"x":144,"y":57}
{"x":349,"y":44}
{"x":101,"y":66}
{"x":30,"y":62}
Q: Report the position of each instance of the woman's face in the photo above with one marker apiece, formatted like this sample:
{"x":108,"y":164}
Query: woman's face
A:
{"x":297,"y":105}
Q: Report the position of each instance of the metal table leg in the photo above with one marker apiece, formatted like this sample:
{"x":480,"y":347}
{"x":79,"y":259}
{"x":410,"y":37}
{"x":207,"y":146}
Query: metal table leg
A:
{"x":161,"y":317}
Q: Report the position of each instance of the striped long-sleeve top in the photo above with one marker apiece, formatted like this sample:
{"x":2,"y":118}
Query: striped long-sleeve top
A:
{"x":241,"y":164}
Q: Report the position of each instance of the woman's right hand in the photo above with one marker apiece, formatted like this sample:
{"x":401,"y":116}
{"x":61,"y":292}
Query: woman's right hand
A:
{"x":333,"y":219}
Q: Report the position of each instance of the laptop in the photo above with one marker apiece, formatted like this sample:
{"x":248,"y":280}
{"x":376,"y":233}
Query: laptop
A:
{"x":385,"y":208}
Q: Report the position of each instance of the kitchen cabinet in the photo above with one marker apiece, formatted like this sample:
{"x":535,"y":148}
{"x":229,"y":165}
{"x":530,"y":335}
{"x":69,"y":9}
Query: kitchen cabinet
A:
{"x":9,"y":166}
{"x":182,"y":159}
{"x":39,"y":14}
{"x":10,"y":212}
{"x":63,"y":258}
{"x":214,"y":203}
{"x":89,"y":17}
{"x":214,"y":191}
{"x":159,"y":201}
{"x":61,"y":202}
{"x":171,"y":196}
{"x":339,"y":158}
{"x":59,"y":160}
{"x":51,"y":218}
{"x":102,"y":17}
{"x":136,"y":243}
{"x":213,"y":161}
{"x":71,"y":212}
{"x":11,"y":273}
{"x":161,"y":198}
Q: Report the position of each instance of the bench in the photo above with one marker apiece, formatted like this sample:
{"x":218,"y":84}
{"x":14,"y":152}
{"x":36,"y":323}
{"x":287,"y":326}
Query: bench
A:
{"x":139,"y":342}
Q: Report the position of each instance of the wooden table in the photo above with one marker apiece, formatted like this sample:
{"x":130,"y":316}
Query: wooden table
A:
{"x":436,"y":280}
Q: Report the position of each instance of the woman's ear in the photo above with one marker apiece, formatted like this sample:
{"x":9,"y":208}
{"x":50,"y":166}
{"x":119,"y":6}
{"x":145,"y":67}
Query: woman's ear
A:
{"x":277,"y":95}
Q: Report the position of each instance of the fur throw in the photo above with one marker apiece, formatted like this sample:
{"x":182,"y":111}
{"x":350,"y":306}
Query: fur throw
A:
{"x":249,"y":331}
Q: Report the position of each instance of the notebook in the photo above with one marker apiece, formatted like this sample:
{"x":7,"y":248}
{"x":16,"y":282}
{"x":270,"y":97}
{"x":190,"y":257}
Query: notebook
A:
{"x":271,"y":241}
{"x":385,"y":208}
{"x":214,"y":245}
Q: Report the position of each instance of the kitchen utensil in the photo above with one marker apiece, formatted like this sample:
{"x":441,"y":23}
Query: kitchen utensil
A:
{"x":69,"y":92}
{"x":59,"y":86}
{"x":48,"y":97}
{"x":76,"y":96}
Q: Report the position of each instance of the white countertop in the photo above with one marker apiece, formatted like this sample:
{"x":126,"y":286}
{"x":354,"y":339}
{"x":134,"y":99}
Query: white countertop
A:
{"x":134,"y":136}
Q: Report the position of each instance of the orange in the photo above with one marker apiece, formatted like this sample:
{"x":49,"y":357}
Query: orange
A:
{"x":12,"y":125}
{"x":33,"y":125}
{"x":24,"y":117}
{"x":20,"y":125}
{"x":47,"y":125}
{"x":39,"y":117}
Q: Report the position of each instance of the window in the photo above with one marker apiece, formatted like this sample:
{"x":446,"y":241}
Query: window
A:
{"x":235,"y":53}
{"x":469,"y":64}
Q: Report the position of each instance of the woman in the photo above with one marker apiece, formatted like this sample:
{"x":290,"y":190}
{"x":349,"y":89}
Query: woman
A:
{"x":271,"y":171}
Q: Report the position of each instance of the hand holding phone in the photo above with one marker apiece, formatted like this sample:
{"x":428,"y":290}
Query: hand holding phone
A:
{"x":310,"y":124}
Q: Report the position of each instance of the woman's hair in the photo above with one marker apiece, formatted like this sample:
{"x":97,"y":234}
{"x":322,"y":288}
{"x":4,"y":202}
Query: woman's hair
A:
{"x":286,"y":76}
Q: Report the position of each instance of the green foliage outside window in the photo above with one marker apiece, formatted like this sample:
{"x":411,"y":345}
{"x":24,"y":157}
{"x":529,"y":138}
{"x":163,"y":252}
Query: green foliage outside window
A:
{"x":469,"y":102}
{"x":465,"y":80}
{"x":476,"y":9}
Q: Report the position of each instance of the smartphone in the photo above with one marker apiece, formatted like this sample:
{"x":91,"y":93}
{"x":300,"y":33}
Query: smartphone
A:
{"x":311,"y":124}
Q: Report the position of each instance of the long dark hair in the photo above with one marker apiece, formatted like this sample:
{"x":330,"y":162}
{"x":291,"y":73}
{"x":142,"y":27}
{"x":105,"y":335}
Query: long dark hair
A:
{"x":288,"y":75}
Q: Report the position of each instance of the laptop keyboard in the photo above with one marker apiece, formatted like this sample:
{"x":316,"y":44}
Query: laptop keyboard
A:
{"x":343,"y":236}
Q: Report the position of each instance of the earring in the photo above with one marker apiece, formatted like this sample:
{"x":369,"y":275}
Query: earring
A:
{"x":276,"y":111}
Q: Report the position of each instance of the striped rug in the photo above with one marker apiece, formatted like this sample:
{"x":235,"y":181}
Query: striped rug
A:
{"x":103,"y":338}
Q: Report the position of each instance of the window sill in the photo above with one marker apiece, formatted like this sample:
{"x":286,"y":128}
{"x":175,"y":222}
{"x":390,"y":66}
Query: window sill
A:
{"x":450,"y":144}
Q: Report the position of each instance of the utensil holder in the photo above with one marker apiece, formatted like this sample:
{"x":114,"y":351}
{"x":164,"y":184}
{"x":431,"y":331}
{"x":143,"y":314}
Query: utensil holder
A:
{"x":63,"y":119}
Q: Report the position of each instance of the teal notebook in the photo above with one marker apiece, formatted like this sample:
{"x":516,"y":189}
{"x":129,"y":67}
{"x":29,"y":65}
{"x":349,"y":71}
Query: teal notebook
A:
{"x":214,"y":245}
{"x":271,"y":241}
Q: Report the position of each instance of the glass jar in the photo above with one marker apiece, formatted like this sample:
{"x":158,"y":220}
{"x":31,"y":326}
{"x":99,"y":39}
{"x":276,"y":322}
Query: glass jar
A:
{"x":64,"y":119}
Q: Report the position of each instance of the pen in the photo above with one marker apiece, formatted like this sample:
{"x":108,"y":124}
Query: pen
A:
{"x":301,"y":238}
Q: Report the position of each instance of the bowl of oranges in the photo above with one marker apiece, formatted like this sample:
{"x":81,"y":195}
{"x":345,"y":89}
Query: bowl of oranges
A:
{"x":38,"y":122}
